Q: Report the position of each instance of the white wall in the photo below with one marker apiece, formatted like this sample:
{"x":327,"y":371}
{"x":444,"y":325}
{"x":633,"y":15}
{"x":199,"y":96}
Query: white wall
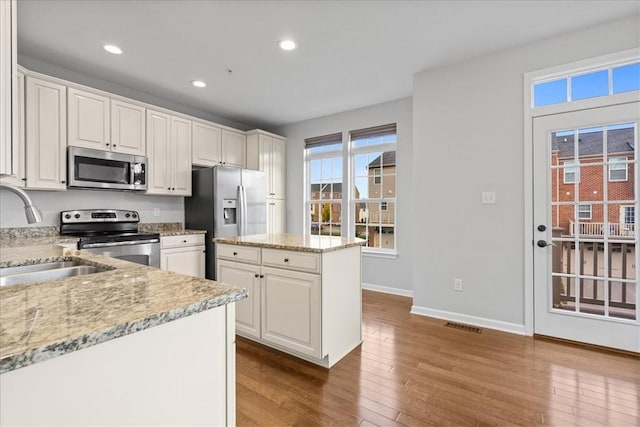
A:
{"x":391,"y":273}
{"x":468,"y":138}
{"x":51,"y":203}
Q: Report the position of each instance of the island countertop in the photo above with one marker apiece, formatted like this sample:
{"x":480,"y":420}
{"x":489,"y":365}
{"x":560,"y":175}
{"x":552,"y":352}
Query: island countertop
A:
{"x":293,"y":242}
{"x":42,"y":320}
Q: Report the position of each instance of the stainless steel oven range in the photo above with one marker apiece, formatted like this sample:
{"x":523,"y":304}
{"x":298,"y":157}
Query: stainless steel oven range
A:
{"x":113,"y":233}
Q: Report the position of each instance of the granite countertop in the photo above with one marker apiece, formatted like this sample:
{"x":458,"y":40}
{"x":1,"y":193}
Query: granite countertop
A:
{"x":43,"y":320}
{"x":49,"y":235}
{"x":168,"y":228}
{"x":294,"y":242}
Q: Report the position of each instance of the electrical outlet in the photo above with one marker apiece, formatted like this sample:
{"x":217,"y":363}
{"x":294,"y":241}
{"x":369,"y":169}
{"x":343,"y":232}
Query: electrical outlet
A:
{"x":156,"y":211}
{"x":457,"y":285}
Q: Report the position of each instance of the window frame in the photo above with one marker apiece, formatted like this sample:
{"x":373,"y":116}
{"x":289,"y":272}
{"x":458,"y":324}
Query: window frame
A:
{"x":367,"y":149}
{"x":574,"y":166}
{"x":589,"y":205}
{"x":377,"y":176}
{"x":618,"y":161}
{"x":569,"y":75}
{"x":626,"y":209}
{"x":309,"y":156}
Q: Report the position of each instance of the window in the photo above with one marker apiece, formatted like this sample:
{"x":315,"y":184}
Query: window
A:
{"x":570,"y":172}
{"x":583,"y":85}
{"x":324,"y":184}
{"x":373,"y":186}
{"x":584,"y":211}
{"x":617,"y":169}
{"x":365,"y":196}
{"x":629,"y":216}
{"x":377,"y":178}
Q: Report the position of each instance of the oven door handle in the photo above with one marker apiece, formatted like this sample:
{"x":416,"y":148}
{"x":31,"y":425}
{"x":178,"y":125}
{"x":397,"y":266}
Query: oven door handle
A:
{"x":107,"y":245}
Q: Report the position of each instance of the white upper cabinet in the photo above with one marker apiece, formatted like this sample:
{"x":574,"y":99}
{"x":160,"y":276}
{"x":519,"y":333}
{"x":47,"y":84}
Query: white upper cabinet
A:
{"x":218,"y":146}
{"x":127,"y":128}
{"x":266,"y":152}
{"x":158,"y":135}
{"x":234,"y":147}
{"x":99,"y":122}
{"x":207,"y":144}
{"x":46,"y":135}
{"x":180,"y":160}
{"x":8,"y":85}
{"x":88,"y":115}
{"x":16,"y":174}
{"x":169,"y":154}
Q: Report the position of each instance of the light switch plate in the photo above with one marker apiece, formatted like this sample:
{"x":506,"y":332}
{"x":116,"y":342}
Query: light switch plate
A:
{"x":488,"y":197}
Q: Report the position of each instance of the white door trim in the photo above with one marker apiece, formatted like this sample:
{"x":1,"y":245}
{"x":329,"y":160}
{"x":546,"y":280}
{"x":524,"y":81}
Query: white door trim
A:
{"x":527,"y":167}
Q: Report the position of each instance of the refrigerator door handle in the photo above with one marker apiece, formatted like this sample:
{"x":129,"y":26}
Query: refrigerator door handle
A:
{"x":242,"y":216}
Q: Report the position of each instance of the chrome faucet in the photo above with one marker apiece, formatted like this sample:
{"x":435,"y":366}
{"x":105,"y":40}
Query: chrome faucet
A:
{"x":32,"y":213}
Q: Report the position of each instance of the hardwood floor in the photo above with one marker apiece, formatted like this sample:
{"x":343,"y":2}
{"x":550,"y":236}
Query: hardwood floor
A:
{"x":411,"y":370}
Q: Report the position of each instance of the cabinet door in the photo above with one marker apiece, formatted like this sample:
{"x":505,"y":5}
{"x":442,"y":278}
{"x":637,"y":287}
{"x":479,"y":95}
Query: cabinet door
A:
{"x":248,"y":309}
{"x":88,"y":115}
{"x":127,"y":128}
{"x":189,"y":260}
{"x":275,"y":216}
{"x":265,"y":144}
{"x":46,"y":135}
{"x":16,"y":169}
{"x":158,"y":139}
{"x":8,"y":56}
{"x":291,"y":310}
{"x":180,"y":159}
{"x":234,"y":147}
{"x":206,"y":144}
{"x":277,"y":168}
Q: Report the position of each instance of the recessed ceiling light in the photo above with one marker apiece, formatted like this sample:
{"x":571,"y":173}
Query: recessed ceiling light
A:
{"x":198,"y":83}
{"x":287,"y":44}
{"x":112,"y":49}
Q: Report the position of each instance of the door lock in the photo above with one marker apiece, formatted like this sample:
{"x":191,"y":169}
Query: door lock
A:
{"x":542,"y":227}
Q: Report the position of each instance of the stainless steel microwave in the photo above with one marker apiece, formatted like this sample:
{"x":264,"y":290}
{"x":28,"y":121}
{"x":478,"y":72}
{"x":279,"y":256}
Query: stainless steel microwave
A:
{"x":88,"y":168}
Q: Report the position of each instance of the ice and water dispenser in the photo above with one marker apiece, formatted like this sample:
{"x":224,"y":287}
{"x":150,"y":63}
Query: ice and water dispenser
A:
{"x":229,"y":212}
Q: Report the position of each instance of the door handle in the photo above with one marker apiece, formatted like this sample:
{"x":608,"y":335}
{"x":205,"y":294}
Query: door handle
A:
{"x":544,"y":244}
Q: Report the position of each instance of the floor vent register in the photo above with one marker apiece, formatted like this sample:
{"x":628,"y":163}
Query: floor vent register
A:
{"x":464,"y":327}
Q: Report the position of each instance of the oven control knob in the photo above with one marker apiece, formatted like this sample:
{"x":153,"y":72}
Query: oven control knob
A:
{"x":127,"y":215}
{"x":134,"y":216}
{"x":77,"y":216}
{"x":67,"y":216}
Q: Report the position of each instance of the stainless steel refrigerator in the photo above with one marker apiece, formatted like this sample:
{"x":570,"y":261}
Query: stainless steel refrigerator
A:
{"x":226,"y":201}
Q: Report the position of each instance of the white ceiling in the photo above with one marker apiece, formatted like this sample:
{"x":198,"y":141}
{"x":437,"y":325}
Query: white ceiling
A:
{"x":351,"y":53}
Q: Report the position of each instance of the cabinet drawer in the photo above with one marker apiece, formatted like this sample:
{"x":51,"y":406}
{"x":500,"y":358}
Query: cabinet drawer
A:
{"x":248,"y":254}
{"x":181,"y":240}
{"x":293,"y":260}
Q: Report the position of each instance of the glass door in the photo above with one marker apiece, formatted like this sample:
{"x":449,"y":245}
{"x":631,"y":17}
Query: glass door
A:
{"x":585,"y":204}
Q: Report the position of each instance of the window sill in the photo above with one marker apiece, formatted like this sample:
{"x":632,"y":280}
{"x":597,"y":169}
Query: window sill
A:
{"x":376,"y":254}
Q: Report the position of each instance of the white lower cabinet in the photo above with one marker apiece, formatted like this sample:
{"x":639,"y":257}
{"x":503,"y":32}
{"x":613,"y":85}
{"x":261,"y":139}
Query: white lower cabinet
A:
{"x":179,"y":373}
{"x":304,"y":303}
{"x":247,"y":310}
{"x":291,"y":310}
{"x":184,"y":254}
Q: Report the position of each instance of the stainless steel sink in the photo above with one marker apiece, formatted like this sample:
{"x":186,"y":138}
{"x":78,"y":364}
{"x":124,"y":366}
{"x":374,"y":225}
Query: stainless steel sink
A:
{"x":45,"y":272}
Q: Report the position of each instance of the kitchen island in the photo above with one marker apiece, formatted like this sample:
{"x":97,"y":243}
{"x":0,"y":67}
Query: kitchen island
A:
{"x":304,"y":292}
{"x":130,"y":345}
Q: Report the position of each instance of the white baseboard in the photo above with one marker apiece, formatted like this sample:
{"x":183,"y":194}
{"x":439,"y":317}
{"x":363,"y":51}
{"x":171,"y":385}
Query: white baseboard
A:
{"x":388,"y":290}
{"x":513,"y":328}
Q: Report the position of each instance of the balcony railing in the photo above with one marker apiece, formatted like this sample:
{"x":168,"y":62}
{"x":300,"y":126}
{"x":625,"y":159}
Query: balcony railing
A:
{"x":598,"y":228}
